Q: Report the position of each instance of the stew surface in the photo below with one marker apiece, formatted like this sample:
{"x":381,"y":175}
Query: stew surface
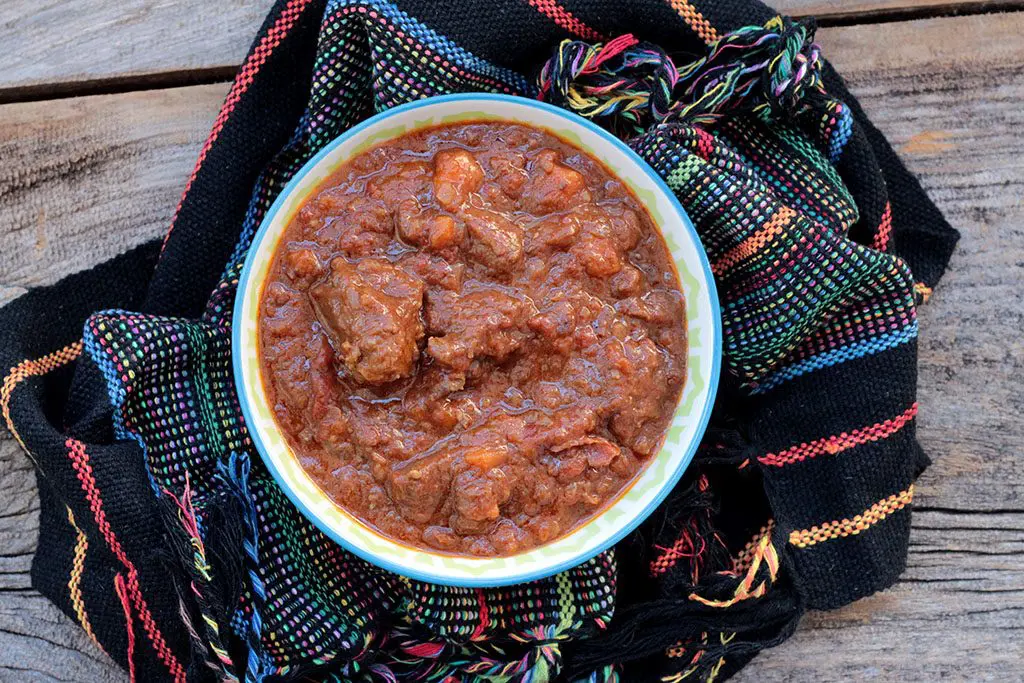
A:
{"x":473,"y":337}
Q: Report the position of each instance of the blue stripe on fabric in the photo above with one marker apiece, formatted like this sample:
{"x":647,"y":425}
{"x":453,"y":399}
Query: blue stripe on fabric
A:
{"x":840,"y":355}
{"x":115,"y":389}
{"x":443,"y":46}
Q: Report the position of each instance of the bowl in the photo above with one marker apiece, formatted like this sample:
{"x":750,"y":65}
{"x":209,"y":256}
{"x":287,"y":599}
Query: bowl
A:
{"x":647,"y":490}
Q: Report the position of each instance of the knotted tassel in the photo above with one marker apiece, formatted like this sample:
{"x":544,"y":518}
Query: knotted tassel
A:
{"x":235,"y":474}
{"x":629,"y":85}
{"x":532,"y":656}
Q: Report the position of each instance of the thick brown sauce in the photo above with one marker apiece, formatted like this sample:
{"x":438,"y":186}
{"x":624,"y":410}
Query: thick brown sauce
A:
{"x":473,"y":337}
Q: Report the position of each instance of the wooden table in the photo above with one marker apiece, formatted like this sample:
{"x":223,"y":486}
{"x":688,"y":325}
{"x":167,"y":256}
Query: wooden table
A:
{"x":103,"y":108}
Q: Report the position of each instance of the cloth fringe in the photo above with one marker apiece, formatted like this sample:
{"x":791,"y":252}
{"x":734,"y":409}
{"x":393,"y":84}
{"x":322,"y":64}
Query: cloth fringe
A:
{"x":630,"y":85}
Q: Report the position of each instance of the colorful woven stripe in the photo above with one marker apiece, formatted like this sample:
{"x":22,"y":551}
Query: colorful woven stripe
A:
{"x":129,"y":625}
{"x":746,"y":556}
{"x":564,"y":18}
{"x":80,"y":460}
{"x":840,"y":528}
{"x":33,"y":368}
{"x":75,"y":581}
{"x":695,"y":20}
{"x":923,"y":291}
{"x":884,"y":232}
{"x":754,"y":244}
{"x":833,"y":445}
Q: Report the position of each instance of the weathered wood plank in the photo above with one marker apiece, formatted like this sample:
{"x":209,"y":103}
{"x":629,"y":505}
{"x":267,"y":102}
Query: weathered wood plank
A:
{"x":53,"y":46}
{"x":50,"y":41}
{"x":86,"y":178}
{"x":950,"y":108}
{"x":848,"y":11}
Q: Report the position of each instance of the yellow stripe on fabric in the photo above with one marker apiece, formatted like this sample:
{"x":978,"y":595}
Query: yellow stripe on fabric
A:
{"x":745,"y":557}
{"x":75,"y":582}
{"x":566,"y":606}
{"x":762,"y":555}
{"x":32,"y":368}
{"x":695,"y":20}
{"x":805,"y":538}
{"x":924,"y":291}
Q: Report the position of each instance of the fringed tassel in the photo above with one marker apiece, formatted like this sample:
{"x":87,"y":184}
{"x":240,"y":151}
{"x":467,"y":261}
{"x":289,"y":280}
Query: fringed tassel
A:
{"x":646,"y":630}
{"x":236,"y":475}
{"x":630,"y":86}
{"x":533,"y":656}
{"x":760,"y":554}
{"x":606,"y":674}
{"x":695,"y":540}
{"x":713,"y":607}
{"x":211,"y":647}
{"x":126,"y":607}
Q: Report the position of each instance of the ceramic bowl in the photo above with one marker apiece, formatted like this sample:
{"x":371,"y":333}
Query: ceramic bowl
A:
{"x":648,"y":489}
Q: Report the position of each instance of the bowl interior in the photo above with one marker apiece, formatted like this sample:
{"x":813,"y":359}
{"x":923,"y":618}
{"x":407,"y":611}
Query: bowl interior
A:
{"x":650,"y":486}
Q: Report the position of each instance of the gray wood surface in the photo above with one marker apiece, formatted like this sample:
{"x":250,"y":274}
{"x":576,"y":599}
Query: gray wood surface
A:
{"x":85,"y":177}
{"x":49,"y":42}
{"x":56,"y":46}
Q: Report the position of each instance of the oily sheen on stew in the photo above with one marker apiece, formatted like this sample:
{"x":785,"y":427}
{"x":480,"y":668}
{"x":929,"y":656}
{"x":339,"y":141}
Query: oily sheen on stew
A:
{"x":473,"y":338}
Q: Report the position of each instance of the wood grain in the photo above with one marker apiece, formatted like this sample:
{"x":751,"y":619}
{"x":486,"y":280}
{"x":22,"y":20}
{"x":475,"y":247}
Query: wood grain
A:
{"x":86,"y":178}
{"x":58,"y":47}
{"x":48,"y":42}
{"x":950,"y":106}
{"x":847,"y":11}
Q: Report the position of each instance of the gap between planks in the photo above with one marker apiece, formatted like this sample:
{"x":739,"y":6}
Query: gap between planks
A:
{"x":58,"y":51}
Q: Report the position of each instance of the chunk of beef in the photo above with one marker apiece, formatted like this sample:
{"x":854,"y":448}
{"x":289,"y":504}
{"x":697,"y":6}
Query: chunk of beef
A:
{"x":479,"y":495}
{"x":627,"y":282}
{"x":355,"y":225}
{"x":302,"y":266}
{"x":434,"y":270}
{"x":429,"y":229}
{"x":371,"y":314}
{"x":659,"y":306}
{"x":457,"y":174}
{"x":510,"y":173}
{"x":553,"y":186}
{"x":405,"y":178}
{"x":558,"y":231}
{"x":495,"y":241}
{"x":598,"y":255}
{"x":420,"y":486}
{"x":486,"y":322}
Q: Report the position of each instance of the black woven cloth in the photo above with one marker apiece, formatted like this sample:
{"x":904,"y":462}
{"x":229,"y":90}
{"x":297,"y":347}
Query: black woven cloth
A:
{"x":164,"y":537}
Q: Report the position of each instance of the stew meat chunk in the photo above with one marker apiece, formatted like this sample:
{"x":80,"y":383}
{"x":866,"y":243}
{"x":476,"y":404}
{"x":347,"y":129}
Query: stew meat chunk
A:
{"x":474,"y":338}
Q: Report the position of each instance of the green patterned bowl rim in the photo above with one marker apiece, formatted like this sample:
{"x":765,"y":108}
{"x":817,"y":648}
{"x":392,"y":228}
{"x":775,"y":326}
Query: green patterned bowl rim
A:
{"x":648,"y":489}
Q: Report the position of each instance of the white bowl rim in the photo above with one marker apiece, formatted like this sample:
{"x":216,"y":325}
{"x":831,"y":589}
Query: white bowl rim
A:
{"x":586,"y":552}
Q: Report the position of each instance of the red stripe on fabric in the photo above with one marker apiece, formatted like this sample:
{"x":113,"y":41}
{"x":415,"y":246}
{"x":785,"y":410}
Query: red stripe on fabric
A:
{"x":485,"y":617}
{"x":80,"y":461}
{"x":564,"y":18}
{"x":840,"y":442}
{"x":128,"y":625}
{"x":881,"y":240}
{"x":246,"y":75}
